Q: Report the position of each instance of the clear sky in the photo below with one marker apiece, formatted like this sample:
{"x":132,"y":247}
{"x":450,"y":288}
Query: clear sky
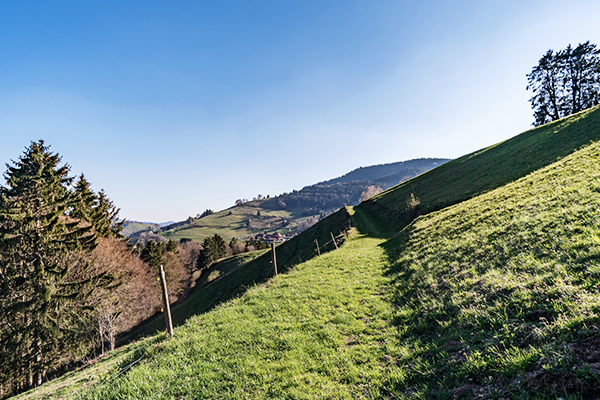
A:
{"x":174,"y":107}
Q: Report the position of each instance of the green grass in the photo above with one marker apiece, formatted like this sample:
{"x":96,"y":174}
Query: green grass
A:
{"x":319,"y":330}
{"x":497,"y":296}
{"x":487,"y":169}
{"x":83,"y":379}
{"x":502,"y":292}
{"x":132,"y":227}
{"x":237,"y":274}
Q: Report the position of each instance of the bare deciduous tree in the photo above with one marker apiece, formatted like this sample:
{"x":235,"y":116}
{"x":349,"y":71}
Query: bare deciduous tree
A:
{"x":369,"y":192}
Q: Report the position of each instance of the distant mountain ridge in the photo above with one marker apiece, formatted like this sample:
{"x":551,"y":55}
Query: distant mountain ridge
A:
{"x":388,"y":174}
{"x":293,"y":212}
{"x":347,"y":190}
{"x":161,"y":224}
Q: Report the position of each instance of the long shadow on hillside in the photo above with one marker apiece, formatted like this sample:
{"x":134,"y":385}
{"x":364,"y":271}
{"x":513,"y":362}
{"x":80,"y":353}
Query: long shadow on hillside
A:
{"x":305,"y":246}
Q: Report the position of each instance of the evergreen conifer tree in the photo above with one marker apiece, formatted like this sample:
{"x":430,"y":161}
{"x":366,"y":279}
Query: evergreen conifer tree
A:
{"x":38,"y":318}
{"x":153,"y":253}
{"x":171,"y":246}
{"x":213,"y":248}
{"x":95,"y":209}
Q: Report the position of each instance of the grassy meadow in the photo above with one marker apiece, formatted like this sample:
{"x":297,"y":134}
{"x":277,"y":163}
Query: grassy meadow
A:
{"x":233,"y":276}
{"x":492,"y":292}
{"x":320,"y":330}
{"x":500,"y":295}
{"x":132,"y":227}
{"x":238,"y":222}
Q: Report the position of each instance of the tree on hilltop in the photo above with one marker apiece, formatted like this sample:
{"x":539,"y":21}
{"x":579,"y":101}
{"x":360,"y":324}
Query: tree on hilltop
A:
{"x":565,"y":82}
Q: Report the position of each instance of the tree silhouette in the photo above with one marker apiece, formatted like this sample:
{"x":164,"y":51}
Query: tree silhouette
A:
{"x":565,"y":82}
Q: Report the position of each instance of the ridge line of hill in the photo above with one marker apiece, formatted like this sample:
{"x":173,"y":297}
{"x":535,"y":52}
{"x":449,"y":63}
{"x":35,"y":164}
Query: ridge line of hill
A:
{"x":485,"y":169}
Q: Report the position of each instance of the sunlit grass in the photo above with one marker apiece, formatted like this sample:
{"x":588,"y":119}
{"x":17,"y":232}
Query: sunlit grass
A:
{"x":486,"y":169}
{"x":321,"y":330}
{"x":495,"y":297}
{"x":505,"y":285}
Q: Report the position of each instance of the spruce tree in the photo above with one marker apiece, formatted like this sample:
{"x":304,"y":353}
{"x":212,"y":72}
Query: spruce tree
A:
{"x":171,"y":246}
{"x":39,"y":320}
{"x":213,"y":248}
{"x":153,"y":253}
{"x":95,"y":209}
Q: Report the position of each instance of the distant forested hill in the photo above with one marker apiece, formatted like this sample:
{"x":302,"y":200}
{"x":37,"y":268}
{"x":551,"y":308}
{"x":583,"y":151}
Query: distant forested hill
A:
{"x":326,"y":197}
{"x":389,"y":174}
{"x":290,"y":212}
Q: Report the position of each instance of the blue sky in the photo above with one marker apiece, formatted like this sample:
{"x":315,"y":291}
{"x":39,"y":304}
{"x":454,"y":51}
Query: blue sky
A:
{"x":176,"y":107}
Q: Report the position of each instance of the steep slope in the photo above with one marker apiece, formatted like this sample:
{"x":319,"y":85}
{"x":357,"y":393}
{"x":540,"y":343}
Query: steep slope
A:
{"x":501,"y":293}
{"x":486,"y":169}
{"x":493,"y":297}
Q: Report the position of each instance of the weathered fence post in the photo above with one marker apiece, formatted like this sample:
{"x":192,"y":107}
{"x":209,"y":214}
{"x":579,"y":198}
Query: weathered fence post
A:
{"x":318,"y":251}
{"x":166,"y":306}
{"x":274,"y":259}
{"x":333,"y":238}
{"x":101,"y":335}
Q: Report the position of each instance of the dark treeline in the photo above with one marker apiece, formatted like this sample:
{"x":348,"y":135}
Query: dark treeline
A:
{"x":389,"y":174}
{"x":316,"y":199}
{"x":565,"y":82}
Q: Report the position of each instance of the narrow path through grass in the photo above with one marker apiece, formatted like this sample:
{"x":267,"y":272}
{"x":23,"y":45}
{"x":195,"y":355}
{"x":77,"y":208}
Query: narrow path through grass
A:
{"x":319,"y":331}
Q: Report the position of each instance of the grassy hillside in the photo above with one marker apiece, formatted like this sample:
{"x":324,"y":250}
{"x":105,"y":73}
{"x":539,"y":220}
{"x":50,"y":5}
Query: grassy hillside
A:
{"x":501,"y":293}
{"x":486,"y":169}
{"x":130,"y":227}
{"x":233,"y":276}
{"x":494,"y":297}
{"x":316,"y":331}
{"x":497,"y":296}
{"x":239,"y":222}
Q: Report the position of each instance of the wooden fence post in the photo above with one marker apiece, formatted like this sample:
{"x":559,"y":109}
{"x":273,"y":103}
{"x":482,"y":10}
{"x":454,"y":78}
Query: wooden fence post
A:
{"x":166,"y":306}
{"x":333,"y":238}
{"x":273,"y":259}
{"x":318,"y":251}
{"x":101,"y":335}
